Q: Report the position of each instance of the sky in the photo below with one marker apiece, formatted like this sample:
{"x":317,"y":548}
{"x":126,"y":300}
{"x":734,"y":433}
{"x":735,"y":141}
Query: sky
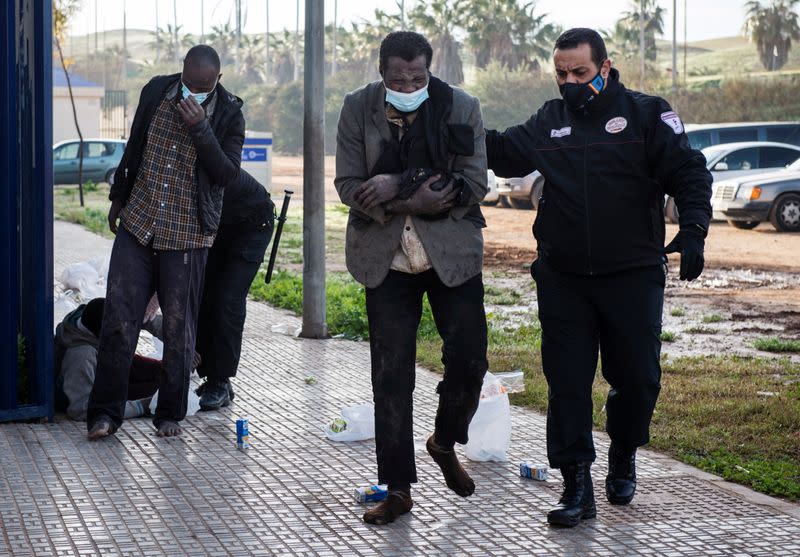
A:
{"x":706,"y":18}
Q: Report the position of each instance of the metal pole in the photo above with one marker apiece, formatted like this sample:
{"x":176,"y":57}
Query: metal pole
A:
{"x":158,"y":37}
{"x":641,"y":44}
{"x":685,"y":44}
{"x":267,"y":76}
{"x":297,"y":42}
{"x":202,"y":22}
{"x":335,"y":25}
{"x":238,"y":33}
{"x":175,"y":54}
{"x":124,"y":44}
{"x":95,"y":27}
{"x":674,"y":45}
{"x":314,"y":325}
{"x":402,"y":15}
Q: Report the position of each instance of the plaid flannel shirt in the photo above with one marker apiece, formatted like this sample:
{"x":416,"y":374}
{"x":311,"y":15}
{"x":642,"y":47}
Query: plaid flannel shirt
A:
{"x":162,"y":208}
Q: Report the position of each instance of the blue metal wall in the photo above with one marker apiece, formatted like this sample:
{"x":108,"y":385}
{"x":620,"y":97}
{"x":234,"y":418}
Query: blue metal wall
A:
{"x":26,"y":205}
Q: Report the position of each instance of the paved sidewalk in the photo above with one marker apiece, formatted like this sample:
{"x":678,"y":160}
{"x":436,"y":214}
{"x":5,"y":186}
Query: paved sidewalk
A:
{"x":291,"y":493}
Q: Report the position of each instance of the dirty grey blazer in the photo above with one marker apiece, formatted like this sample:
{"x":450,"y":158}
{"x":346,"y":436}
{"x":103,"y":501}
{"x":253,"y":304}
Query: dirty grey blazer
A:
{"x":454,"y":244}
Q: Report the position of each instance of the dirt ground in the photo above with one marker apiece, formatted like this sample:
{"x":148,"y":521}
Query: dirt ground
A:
{"x":750,"y":287}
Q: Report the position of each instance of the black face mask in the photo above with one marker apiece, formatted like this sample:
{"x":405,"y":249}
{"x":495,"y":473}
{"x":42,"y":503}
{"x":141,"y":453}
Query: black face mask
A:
{"x":578,"y":96}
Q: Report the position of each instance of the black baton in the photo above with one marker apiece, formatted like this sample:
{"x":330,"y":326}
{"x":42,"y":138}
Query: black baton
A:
{"x":281,"y":219}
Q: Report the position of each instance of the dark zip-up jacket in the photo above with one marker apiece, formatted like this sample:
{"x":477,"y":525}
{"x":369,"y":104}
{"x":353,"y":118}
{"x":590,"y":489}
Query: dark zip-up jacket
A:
{"x":218,"y":141}
{"x":606,"y":171}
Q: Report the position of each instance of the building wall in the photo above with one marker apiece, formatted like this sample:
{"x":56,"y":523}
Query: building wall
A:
{"x":87,"y":105}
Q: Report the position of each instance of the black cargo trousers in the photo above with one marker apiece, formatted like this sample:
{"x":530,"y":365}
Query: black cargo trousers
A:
{"x":619,"y":315}
{"x":394,"y":310}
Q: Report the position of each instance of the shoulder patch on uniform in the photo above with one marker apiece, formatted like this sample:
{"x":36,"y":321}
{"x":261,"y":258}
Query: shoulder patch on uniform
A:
{"x":673,"y":121}
{"x":562,"y":132}
{"x":616,"y":125}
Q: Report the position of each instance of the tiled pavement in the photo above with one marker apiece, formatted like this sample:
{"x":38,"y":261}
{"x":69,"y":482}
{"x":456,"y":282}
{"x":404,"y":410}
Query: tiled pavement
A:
{"x":291,"y":493}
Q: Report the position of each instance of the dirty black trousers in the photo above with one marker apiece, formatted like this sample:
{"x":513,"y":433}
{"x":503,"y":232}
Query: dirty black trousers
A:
{"x":619,"y":314}
{"x":394,"y":310}
{"x":135,"y":273}
{"x":233,"y":262}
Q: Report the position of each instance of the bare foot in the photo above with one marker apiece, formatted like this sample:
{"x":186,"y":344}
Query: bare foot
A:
{"x":455,"y":476}
{"x":396,"y":503}
{"x":169,"y":429}
{"x":102,"y":427}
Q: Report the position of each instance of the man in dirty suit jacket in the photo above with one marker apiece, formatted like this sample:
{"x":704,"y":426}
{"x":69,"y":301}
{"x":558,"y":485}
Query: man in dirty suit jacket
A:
{"x":411,"y":165}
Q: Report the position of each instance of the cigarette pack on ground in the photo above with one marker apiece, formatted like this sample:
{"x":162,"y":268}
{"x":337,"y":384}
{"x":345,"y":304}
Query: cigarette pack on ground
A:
{"x":372,"y":493}
{"x":533,"y":471}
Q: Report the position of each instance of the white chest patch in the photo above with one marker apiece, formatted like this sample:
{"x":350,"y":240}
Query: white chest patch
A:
{"x":616,"y":125}
{"x":562,"y":132}
{"x":673,"y":121}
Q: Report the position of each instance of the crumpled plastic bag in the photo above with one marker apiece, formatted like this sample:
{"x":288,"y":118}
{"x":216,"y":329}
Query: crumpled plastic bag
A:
{"x":63,"y":305}
{"x":513,"y":381}
{"x":79,"y":276}
{"x":192,"y":406}
{"x":490,"y":429}
{"x":101,"y":264}
{"x":359,"y":424}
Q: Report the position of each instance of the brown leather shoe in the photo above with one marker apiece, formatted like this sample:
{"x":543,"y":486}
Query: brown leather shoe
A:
{"x":396,"y":503}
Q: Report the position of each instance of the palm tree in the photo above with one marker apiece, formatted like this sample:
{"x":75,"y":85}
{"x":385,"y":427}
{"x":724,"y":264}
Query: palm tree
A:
{"x":627,"y":28}
{"x":438,"y":20}
{"x":772,"y":28}
{"x":282,"y":51}
{"x":172,"y":42}
{"x":223,"y":39}
{"x":251,"y":59}
{"x":509,"y":33}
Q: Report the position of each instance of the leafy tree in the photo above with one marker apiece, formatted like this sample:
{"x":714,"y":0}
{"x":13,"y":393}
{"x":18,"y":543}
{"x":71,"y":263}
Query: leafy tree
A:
{"x":772,"y":28}
{"x":223,"y":39}
{"x":439,"y":21}
{"x":509,"y":33}
{"x":172,"y":42}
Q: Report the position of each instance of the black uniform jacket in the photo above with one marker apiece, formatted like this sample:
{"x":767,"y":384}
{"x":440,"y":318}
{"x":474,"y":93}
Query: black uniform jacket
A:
{"x":218,"y":143}
{"x":606,"y":171}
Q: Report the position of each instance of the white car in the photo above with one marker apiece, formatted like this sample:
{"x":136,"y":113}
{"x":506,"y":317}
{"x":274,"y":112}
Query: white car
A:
{"x":734,"y":160}
{"x":492,"y":197}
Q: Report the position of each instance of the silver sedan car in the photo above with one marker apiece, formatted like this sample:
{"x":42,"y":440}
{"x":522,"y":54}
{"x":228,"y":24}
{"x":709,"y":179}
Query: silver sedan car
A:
{"x":749,"y":200}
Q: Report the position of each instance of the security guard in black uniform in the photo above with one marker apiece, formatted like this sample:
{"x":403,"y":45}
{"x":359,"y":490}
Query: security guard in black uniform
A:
{"x":245,"y":229}
{"x":608,"y":156}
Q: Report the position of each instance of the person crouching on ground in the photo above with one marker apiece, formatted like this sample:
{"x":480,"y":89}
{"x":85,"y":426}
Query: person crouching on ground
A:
{"x":411,"y":165}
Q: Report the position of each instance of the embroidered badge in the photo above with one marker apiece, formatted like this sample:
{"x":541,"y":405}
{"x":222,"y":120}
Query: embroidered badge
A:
{"x":562,"y":132}
{"x":673,"y":121}
{"x":616,"y":125}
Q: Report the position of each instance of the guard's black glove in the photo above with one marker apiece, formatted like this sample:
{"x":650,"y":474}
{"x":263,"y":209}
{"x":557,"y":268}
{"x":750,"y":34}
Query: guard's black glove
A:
{"x":689,"y":242}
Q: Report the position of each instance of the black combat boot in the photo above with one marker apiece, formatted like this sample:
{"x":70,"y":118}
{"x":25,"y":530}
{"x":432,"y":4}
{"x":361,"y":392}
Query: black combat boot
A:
{"x":215,"y":394}
{"x":621,"y":479}
{"x":577,"y":501}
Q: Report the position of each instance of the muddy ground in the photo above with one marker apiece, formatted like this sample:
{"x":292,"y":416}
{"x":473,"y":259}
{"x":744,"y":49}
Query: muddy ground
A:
{"x":750,"y":288}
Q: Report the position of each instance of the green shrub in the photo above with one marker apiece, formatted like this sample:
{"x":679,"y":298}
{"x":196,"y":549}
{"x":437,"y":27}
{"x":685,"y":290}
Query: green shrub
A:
{"x":777,"y":345}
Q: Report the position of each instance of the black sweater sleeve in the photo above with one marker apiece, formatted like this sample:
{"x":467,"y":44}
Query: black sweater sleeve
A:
{"x":510,"y":153}
{"x":679,"y":168}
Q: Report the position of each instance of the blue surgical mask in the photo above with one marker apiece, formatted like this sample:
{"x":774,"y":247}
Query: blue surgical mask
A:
{"x":199,"y":97}
{"x":407,"y":102}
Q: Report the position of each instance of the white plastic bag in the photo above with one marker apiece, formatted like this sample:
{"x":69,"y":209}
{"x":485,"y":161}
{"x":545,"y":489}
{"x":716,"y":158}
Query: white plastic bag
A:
{"x":63,"y":305}
{"x":359,"y":424}
{"x":100,"y":264}
{"x":192,"y":406}
{"x":79,"y":276}
{"x":513,"y":381}
{"x":490,"y":429}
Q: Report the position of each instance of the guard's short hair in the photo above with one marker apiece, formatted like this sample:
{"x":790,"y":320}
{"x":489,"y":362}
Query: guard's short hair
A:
{"x":204,"y":55}
{"x":92,"y":316}
{"x":573,"y":38}
{"x":406,"y":45}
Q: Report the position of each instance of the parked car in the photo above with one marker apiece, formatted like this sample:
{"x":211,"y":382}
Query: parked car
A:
{"x":491,"y":198}
{"x":704,"y":135}
{"x":521,"y":193}
{"x":100,"y":160}
{"x":747,"y":201}
{"x":732,"y":160}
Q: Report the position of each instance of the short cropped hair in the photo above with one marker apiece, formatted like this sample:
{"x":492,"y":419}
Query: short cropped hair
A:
{"x":406,"y":45}
{"x":573,"y":38}
{"x":204,"y":55}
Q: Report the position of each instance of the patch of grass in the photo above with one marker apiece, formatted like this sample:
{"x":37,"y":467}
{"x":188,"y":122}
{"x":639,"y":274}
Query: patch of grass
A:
{"x":90,"y":186}
{"x":775,"y":344}
{"x":668,"y":336}
{"x":713,"y":318}
{"x":91,"y":219}
{"x":93,"y":215}
{"x":701,"y":331}
{"x":494,"y":295}
{"x":677,"y":312}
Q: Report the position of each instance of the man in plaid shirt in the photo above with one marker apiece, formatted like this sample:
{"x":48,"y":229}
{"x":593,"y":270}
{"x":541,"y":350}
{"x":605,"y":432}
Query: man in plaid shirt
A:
{"x":185,"y":146}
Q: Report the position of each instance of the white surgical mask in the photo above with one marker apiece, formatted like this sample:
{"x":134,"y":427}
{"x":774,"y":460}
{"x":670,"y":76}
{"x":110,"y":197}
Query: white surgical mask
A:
{"x":407,"y":102}
{"x":199,"y":97}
